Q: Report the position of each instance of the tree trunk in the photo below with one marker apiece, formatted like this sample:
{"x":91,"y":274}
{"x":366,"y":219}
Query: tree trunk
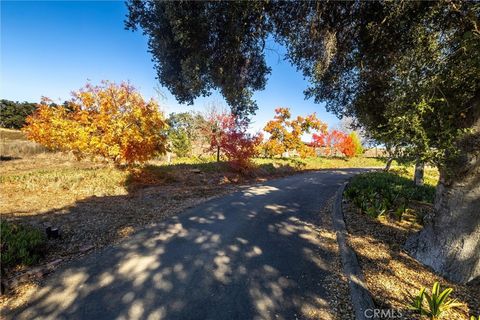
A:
{"x":450,"y":241}
{"x":418,"y":176}
{"x":218,"y":153}
{"x":389,"y":164}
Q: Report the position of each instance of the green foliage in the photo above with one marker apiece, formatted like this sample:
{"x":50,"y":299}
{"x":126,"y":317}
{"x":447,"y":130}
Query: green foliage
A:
{"x":185,"y":130}
{"x":416,"y":302}
{"x":20,"y":245}
{"x":357,"y":142}
{"x":435,"y":304}
{"x":13,"y":114}
{"x":379,"y":193}
{"x":192,"y":123}
{"x":181,"y":144}
{"x":198,"y":46}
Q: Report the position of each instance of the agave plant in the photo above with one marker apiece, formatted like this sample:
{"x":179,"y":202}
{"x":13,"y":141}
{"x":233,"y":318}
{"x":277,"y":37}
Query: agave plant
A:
{"x":435,"y":304}
{"x":416,"y":303}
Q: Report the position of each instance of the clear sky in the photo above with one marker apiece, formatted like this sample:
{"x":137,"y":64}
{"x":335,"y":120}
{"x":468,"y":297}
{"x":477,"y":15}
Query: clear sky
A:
{"x":51,"y":48}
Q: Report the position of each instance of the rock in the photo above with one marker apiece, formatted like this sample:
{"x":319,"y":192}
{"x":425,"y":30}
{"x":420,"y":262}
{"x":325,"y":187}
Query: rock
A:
{"x":54,"y":263}
{"x":86,"y":248}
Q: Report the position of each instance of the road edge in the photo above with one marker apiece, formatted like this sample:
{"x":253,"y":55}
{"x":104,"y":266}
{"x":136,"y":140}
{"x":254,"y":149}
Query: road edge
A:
{"x":359,"y":294}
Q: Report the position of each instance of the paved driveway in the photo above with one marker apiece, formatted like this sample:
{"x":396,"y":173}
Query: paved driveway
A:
{"x":253,"y":254}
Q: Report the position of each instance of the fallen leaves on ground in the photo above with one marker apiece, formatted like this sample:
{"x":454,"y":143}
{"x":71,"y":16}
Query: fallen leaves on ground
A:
{"x":391,"y":273}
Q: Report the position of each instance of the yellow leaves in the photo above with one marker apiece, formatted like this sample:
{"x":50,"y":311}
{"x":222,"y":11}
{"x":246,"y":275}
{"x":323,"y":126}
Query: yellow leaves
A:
{"x":110,"y":121}
{"x":285,"y":134}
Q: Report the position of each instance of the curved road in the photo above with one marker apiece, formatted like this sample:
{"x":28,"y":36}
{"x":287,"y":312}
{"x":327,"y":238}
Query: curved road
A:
{"x":253,"y":254}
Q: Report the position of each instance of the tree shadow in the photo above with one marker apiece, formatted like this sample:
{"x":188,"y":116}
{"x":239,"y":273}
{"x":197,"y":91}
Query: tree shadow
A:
{"x":253,"y":254}
{"x":8,"y":158}
{"x":409,"y":274}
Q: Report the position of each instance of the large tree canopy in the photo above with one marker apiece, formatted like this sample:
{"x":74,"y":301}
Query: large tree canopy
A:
{"x":199,"y":46}
{"x":408,"y":71}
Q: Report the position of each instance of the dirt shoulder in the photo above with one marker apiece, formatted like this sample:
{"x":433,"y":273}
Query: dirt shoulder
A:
{"x":390,"y":273}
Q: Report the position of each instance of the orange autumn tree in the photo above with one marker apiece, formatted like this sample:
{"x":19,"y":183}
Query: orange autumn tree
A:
{"x":334,"y":142}
{"x":111,"y":121}
{"x":286,"y":134}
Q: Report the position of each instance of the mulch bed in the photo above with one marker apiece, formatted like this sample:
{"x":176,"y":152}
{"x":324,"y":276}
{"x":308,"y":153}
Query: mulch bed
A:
{"x":391,"y":273}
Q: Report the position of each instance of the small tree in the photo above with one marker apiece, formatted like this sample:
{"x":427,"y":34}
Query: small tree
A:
{"x":228,"y":135}
{"x":180,"y":142}
{"x":356,"y":142}
{"x":188,"y":133}
{"x":335,"y":142}
{"x":110,"y":121}
{"x":286,"y":134}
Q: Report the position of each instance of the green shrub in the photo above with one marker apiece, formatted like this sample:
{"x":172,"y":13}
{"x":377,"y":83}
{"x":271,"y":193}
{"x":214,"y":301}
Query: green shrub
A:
{"x":20,"y":245}
{"x":434,"y":305}
{"x":379,"y":193}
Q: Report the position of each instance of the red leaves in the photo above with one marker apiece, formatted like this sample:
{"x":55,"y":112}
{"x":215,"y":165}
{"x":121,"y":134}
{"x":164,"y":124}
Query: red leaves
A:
{"x":334,"y":142}
{"x":230,"y":135}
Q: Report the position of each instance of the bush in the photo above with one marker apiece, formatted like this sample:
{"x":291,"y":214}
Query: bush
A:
{"x":379,"y":193}
{"x":20,"y":245}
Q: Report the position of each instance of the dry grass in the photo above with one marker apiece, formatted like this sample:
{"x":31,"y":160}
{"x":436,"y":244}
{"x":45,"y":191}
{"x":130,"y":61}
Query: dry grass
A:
{"x":390,"y":273}
{"x":11,"y":134}
{"x":13,"y":144}
{"x":46,"y":182}
{"x":317,"y":163}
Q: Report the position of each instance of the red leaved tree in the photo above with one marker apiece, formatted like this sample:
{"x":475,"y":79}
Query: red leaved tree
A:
{"x":229,"y":136}
{"x":334,"y":142}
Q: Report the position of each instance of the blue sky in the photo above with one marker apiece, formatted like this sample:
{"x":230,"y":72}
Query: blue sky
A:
{"x":51,"y":48}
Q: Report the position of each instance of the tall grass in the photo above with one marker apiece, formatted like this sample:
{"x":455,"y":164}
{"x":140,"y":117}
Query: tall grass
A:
{"x":14,"y":144}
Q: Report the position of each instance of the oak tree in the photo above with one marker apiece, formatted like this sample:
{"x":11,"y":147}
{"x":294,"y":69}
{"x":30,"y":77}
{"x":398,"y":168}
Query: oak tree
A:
{"x":408,"y":71}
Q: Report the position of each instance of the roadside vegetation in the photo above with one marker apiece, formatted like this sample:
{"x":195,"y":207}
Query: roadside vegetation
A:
{"x":382,"y":210}
{"x":389,"y":195}
{"x":21,"y":245}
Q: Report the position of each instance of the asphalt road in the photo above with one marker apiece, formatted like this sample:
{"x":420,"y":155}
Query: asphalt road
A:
{"x":253,"y":254}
